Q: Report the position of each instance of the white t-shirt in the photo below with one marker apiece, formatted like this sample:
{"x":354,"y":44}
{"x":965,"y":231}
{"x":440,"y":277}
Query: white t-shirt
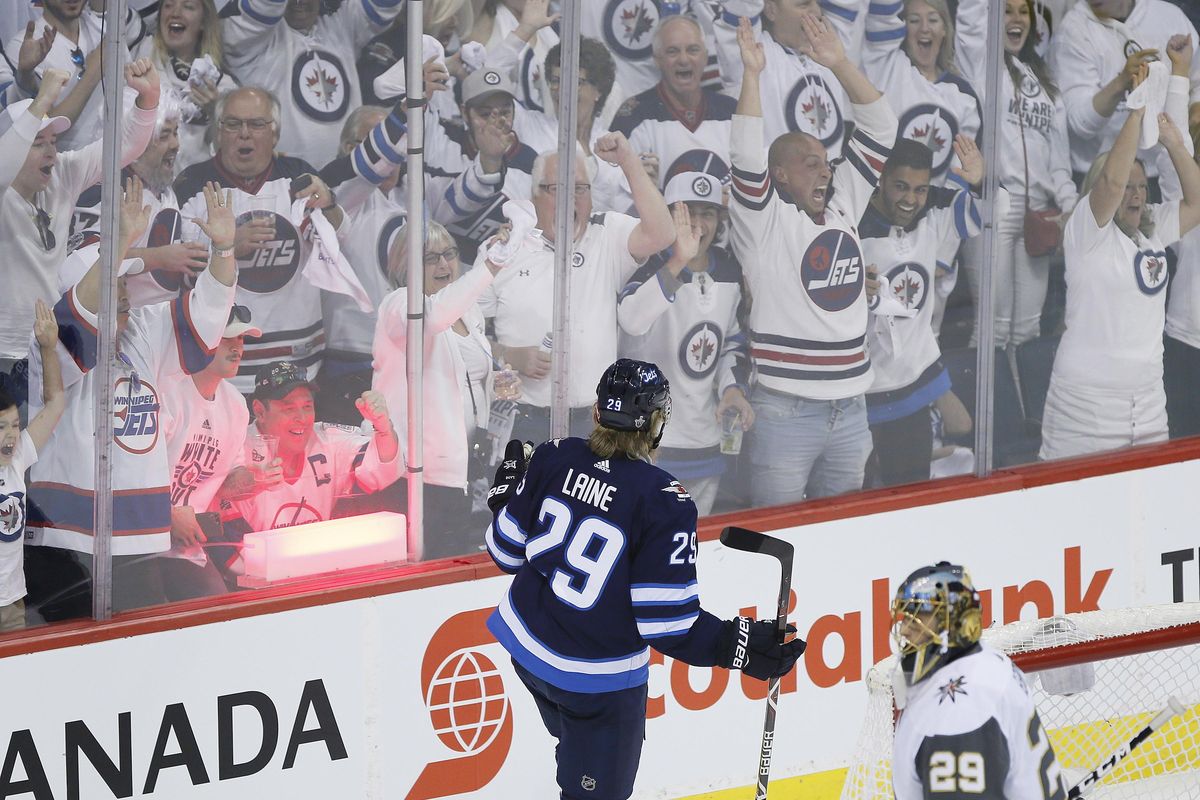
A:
{"x":1116,"y":303}
{"x":12,"y":521}
{"x":1183,"y":307}
{"x":521,"y":299}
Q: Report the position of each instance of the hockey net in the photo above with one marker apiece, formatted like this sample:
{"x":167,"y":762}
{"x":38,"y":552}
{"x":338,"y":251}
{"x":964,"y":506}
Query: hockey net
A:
{"x":1097,"y":679}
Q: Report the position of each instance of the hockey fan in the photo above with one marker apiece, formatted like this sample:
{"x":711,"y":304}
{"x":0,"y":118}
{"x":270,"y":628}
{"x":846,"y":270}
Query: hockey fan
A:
{"x":603,"y":547}
{"x":969,"y":727}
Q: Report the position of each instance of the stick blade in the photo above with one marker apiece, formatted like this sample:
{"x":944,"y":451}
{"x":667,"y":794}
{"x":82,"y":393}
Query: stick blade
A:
{"x":750,"y":541}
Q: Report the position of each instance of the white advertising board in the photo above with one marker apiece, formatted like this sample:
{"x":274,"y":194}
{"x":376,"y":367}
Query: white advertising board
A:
{"x":407,"y":696}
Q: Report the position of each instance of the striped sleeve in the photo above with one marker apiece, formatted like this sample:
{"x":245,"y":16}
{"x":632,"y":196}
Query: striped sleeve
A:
{"x":471,"y":191}
{"x":856,"y":174}
{"x":77,"y":331}
{"x":382,"y":151}
{"x":752,"y":187}
{"x":506,"y":542}
{"x":664,"y":609}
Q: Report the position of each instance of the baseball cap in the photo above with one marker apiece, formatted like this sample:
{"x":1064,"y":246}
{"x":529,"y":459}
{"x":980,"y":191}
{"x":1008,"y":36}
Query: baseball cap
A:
{"x":483,"y":82}
{"x":693,"y":187}
{"x":18,"y":109}
{"x":239,"y":324}
{"x":273,"y":381}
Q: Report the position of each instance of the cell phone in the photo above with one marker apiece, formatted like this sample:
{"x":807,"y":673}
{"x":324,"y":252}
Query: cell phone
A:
{"x":300,"y":184}
{"x":210,"y":523}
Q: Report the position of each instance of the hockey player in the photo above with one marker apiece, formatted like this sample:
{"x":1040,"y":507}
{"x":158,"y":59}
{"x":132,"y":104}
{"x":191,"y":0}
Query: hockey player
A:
{"x":321,"y":462}
{"x":804,"y":270}
{"x":907,"y":223}
{"x":603,"y":547}
{"x":968,"y":727}
{"x":306,"y":59}
{"x":681,"y":309}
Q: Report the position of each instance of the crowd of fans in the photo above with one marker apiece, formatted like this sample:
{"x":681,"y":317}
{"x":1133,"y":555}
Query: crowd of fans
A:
{"x":773,"y":201}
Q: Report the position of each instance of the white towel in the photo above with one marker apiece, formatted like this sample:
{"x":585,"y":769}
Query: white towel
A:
{"x":523,"y":218}
{"x":391,"y":83}
{"x":1152,"y":96}
{"x":326,"y":268}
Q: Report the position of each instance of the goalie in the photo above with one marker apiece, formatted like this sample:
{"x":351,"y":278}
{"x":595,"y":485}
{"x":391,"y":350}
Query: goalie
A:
{"x":968,"y":728}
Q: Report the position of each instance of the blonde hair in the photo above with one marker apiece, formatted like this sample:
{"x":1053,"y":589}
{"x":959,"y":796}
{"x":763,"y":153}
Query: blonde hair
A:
{"x":436,"y":235}
{"x":1146,"y":223}
{"x":439,"y":12}
{"x":210,"y":39}
{"x":636,"y":445}
{"x":945,"y":56}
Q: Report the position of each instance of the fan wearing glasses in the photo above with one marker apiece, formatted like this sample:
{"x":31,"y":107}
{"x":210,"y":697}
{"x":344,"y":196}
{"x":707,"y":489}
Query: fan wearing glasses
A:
{"x":35,"y":214}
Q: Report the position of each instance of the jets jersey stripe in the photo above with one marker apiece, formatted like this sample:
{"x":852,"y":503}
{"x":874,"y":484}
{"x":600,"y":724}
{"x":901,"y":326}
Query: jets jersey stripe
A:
{"x":886,"y":36}
{"x":764,"y":354}
{"x":732,"y":19}
{"x":752,"y":190}
{"x":813,"y":375}
{"x":848,"y":14}
{"x":511,"y":531}
{"x":666,"y":627}
{"x":807,"y":344}
{"x":75,"y":333}
{"x":373,"y":14}
{"x":572,"y":674}
{"x":886,"y":9}
{"x":496,"y":549}
{"x":194,"y":355}
{"x":654,"y":594}
{"x":136,"y":512}
{"x":261,"y":14}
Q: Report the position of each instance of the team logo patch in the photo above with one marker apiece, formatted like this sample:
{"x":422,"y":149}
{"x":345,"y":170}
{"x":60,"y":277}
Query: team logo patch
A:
{"x":272,"y":267}
{"x":934,"y":127}
{"x":676,"y":488}
{"x":1151,"y":271}
{"x":165,"y":229}
{"x":628,"y":27}
{"x":387,"y":237}
{"x":832,"y":271}
{"x":319,"y":86}
{"x":12,"y":516}
{"x":698,"y":160}
{"x":577,"y":259}
{"x":811,"y":108}
{"x":1029,"y":84}
{"x":703,"y":187}
{"x":135,"y":415}
{"x":196,"y":465}
{"x":300,"y":513}
{"x":909,"y":284}
{"x":699,"y":350}
{"x":491,"y":77}
{"x":951,"y":689}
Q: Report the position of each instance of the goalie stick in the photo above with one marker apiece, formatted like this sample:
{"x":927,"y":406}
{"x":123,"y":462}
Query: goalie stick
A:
{"x":754,"y":542}
{"x":1173,"y":709}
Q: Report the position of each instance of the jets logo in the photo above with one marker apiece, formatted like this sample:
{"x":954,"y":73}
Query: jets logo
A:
{"x":698,"y":160}
{"x":135,"y":415}
{"x":165,"y":230}
{"x":577,"y":259}
{"x":831,"y":270}
{"x":387,"y":237}
{"x":934,"y":127}
{"x":909,"y":284}
{"x":270,"y":268}
{"x":12,"y":516}
{"x":811,"y":108}
{"x":699,"y":350}
{"x":319,"y":86}
{"x":1029,"y":84}
{"x":1151,"y":271}
{"x":628,"y":27}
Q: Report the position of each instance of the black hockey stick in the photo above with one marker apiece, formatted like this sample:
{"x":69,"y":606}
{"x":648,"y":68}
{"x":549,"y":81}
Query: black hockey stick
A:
{"x":754,"y":542}
{"x":1173,"y":709}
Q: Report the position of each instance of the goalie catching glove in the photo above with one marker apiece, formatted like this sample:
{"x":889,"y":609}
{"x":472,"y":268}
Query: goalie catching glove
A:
{"x":752,"y":646}
{"x":509,"y":473}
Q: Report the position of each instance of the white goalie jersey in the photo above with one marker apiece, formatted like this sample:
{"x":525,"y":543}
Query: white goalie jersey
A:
{"x":970,"y":730}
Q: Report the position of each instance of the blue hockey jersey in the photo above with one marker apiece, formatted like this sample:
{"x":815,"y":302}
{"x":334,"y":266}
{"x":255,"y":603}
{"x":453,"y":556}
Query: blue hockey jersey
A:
{"x":604,"y":553}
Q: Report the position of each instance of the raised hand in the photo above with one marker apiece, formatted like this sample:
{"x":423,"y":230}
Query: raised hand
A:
{"x":536,"y":15}
{"x":45,"y":326}
{"x":220,"y":227}
{"x":1134,"y":64}
{"x":824,"y":45}
{"x":53,"y":80}
{"x":141,"y":76}
{"x":435,"y":75}
{"x":374,"y":410}
{"x":34,"y":49}
{"x":1170,"y":135}
{"x":615,"y":149}
{"x":754,"y":58}
{"x":650,"y":164}
{"x":135,"y":217}
{"x":1180,"y":50}
{"x":971,"y":160}
{"x":687,"y":237}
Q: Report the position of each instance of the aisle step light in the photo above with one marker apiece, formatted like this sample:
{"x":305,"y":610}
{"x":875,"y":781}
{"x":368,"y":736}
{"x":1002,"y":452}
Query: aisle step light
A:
{"x":322,"y":547}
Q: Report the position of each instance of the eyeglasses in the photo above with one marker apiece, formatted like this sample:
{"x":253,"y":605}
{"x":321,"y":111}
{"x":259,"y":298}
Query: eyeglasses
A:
{"x":450,"y":254}
{"x":78,"y":59}
{"x":235,"y":125}
{"x":42,"y":219}
{"x":552,"y":188}
{"x":239,"y":314}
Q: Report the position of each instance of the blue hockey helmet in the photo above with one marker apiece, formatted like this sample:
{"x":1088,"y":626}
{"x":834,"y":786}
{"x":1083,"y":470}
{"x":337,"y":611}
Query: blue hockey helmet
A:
{"x":935,"y":617}
{"x":628,"y":395}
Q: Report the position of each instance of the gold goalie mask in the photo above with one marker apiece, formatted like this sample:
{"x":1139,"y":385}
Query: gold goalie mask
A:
{"x":935,"y":617}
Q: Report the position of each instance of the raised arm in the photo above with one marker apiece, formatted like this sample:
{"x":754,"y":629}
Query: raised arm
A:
{"x":1188,"y":170}
{"x":134,"y":219}
{"x":754,"y":61}
{"x":1106,"y":194}
{"x":656,"y":228}
{"x":219,"y":227}
{"x":54,"y":402}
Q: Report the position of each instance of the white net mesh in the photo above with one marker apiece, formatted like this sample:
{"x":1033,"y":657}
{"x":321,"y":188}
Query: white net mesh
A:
{"x":1108,"y":702}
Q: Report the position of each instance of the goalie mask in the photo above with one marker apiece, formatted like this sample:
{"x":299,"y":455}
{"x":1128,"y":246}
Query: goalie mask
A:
{"x":628,"y":395}
{"x":935,"y":619}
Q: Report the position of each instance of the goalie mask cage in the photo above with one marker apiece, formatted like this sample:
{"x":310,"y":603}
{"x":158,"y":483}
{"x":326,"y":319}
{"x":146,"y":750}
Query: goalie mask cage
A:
{"x":1097,"y":678}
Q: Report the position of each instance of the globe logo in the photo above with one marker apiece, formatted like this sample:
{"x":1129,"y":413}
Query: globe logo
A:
{"x":467,"y":702}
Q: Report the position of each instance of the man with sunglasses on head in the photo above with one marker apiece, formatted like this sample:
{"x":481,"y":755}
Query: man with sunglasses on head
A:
{"x":35,"y":213}
{"x":607,"y":249}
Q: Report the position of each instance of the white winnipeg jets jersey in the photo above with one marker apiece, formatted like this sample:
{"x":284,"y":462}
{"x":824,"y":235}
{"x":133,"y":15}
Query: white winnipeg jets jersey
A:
{"x":932,"y":113}
{"x":970,"y":730}
{"x":282,"y":303}
{"x":683,"y":143}
{"x":902,"y":348}
{"x":336,"y":458}
{"x":798,"y":94}
{"x":1116,"y":301}
{"x":689,"y":327}
{"x":12,"y":520}
{"x":806,"y":275}
{"x":313,"y":75}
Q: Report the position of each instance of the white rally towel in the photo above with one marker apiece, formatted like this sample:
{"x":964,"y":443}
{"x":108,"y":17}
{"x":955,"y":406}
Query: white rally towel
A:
{"x":326,"y":268}
{"x":392,"y":82}
{"x":1152,"y":96}
{"x":884,"y":308}
{"x":523,"y":219}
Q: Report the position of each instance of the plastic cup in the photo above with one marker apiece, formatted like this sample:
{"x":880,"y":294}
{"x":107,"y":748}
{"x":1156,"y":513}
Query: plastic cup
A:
{"x":261,"y":451}
{"x":731,"y":433}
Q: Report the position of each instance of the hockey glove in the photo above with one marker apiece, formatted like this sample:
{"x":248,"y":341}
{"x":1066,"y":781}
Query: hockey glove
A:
{"x":750,"y":645}
{"x":509,"y":473}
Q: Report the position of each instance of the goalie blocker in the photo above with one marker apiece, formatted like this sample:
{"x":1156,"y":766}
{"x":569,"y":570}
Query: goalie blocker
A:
{"x":602,"y":546}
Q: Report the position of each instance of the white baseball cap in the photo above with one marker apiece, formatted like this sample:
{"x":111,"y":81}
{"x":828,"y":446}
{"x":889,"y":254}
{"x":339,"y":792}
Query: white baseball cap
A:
{"x":21,"y":107}
{"x":486,"y":81}
{"x":239,"y":324}
{"x":693,"y":187}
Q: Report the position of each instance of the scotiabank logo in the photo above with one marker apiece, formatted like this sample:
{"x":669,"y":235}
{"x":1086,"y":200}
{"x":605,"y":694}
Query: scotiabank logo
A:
{"x":468,"y":706}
